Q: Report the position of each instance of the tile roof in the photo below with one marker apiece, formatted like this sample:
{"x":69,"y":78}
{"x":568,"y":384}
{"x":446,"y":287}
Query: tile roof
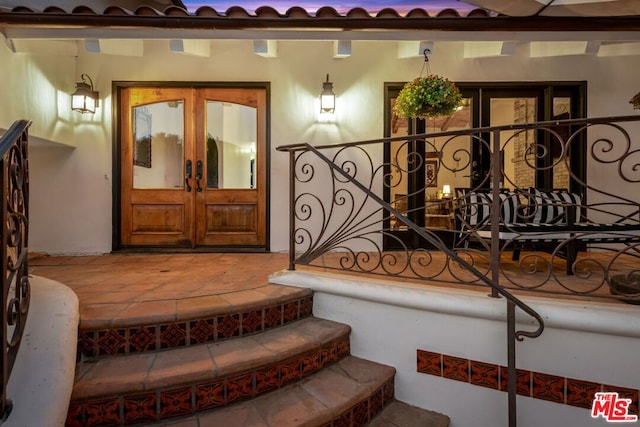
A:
{"x":168,"y":15}
{"x":177,"y":8}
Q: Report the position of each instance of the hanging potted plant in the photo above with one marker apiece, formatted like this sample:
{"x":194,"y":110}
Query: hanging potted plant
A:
{"x":429,"y":96}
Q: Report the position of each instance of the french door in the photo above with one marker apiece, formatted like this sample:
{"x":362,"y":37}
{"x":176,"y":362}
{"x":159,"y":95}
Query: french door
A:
{"x":484,"y":104}
{"x":193,"y":167}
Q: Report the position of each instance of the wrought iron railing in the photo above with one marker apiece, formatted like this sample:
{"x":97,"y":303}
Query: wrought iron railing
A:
{"x":14,"y":184}
{"x":368,"y":207}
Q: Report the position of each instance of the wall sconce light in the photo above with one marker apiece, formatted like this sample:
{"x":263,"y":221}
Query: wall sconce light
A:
{"x":85,"y":99}
{"x":327,"y":97}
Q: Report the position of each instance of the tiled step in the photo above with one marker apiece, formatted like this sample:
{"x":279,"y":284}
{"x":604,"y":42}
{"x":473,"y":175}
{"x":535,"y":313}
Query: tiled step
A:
{"x":399,"y":414}
{"x":349,"y":393}
{"x":156,"y":325}
{"x":148,"y":387}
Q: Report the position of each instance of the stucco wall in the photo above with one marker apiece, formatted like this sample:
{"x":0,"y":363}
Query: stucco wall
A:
{"x":71,"y":188}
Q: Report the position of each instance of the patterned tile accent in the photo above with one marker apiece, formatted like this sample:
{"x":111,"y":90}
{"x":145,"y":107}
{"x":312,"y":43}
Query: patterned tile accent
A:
{"x":111,"y":342}
{"x":429,"y":363}
{"x":343,"y":348}
{"x":87,"y":342}
{"x":289,"y":371}
{"x":251,"y":322}
{"x":137,"y":339}
{"x":74,"y":415}
{"x":140,"y":408}
{"x":272,"y":316}
{"x":173,"y":335}
{"x":142,"y":339}
{"x":360,"y":414}
{"x":625,"y":393}
{"x":228,"y":326}
{"x":311,"y":362}
{"x":538,"y":385}
{"x":150,"y":407}
{"x":201,"y":331}
{"x":455,"y":368}
{"x":102,"y":412}
{"x":175,"y":403}
{"x":290,"y":311}
{"x":523,"y":381}
{"x":329,"y":353}
{"x":484,"y":374}
{"x":581,"y":393}
{"x":343,"y":421}
{"x":239,"y":387}
{"x":267,"y":379}
{"x":548,"y":387}
{"x":306,"y":307}
{"x":209,"y":395}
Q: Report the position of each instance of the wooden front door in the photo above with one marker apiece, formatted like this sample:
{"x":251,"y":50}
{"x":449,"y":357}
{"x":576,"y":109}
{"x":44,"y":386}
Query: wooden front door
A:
{"x":193,"y":167}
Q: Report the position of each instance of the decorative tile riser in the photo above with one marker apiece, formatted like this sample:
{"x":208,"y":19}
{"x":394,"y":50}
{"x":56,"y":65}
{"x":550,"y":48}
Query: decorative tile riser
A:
{"x":149,"y":338}
{"x":188,"y":399}
{"x":361,"y":414}
{"x":537,"y":385}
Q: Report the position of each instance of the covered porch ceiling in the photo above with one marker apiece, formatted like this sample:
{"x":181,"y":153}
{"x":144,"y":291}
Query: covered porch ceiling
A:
{"x":108,"y":27}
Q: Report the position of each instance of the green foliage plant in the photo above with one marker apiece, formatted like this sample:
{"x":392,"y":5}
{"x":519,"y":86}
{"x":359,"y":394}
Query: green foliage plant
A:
{"x":429,"y":97}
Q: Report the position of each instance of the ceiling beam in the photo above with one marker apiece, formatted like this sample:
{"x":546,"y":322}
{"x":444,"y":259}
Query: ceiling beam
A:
{"x":200,"y":48}
{"x":265,"y":48}
{"x":488,"y":49}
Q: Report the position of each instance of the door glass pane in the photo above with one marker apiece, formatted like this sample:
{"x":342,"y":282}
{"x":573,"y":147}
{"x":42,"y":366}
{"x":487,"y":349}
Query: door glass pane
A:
{"x":454,"y":163}
{"x":230,"y":145}
{"x":158,"y":134}
{"x":398,"y":181}
{"x":517,"y":157}
{"x":561,"y":111}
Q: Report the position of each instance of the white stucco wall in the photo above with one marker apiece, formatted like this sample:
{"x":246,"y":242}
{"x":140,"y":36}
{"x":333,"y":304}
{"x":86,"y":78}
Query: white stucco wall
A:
{"x":71,"y":188}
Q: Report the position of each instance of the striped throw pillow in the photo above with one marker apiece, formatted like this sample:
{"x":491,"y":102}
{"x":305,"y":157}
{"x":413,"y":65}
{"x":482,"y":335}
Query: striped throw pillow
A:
{"x":550,"y":207}
{"x":476,"y":208}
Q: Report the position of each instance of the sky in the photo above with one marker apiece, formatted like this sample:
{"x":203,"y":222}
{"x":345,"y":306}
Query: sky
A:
{"x":372,"y":6}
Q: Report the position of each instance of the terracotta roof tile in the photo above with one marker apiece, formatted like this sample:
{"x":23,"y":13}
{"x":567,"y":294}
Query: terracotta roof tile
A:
{"x":358,"y":12}
{"x":388,"y":12}
{"x":121,"y":14}
{"x":267,"y":12}
{"x":207,"y":12}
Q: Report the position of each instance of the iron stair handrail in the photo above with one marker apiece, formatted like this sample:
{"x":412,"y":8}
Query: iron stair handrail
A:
{"x":14,"y":184}
{"x":513,"y":334}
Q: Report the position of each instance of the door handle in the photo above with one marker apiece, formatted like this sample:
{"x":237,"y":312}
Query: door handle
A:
{"x":198,"y":175}
{"x":187,"y":175}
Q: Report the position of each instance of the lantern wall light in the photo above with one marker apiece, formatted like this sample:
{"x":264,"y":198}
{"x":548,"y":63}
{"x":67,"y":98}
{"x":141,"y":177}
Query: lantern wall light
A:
{"x":327,"y":97}
{"x":85,"y":99}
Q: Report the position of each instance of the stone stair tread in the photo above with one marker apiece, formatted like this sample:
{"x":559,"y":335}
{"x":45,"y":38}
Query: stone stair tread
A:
{"x":316,"y":400}
{"x":152,"y":311}
{"x":133,"y":373}
{"x":400,"y":414}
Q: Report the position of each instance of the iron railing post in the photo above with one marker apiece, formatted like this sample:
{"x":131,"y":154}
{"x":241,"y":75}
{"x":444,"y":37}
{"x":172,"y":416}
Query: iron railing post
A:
{"x":292,"y":216}
{"x":4,"y":404}
{"x":496,"y":179}
{"x":511,"y":362}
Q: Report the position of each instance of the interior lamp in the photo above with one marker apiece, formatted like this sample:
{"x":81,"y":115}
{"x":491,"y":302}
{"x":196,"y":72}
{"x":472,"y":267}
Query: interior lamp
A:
{"x":446,"y":190}
{"x":85,"y":99}
{"x":327,"y":97}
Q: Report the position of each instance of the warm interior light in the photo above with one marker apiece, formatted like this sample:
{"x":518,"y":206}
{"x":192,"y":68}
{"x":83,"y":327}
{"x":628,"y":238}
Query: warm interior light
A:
{"x":85,"y":99}
{"x":327,"y":97}
{"x":446,"y":190}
